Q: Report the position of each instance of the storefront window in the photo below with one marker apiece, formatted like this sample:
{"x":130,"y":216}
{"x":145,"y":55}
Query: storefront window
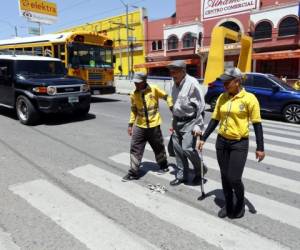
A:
{"x":154,"y":45}
{"x":159,"y":45}
{"x":263,"y":30}
{"x":288,"y":27}
{"x":188,"y":41}
{"x":172,"y":43}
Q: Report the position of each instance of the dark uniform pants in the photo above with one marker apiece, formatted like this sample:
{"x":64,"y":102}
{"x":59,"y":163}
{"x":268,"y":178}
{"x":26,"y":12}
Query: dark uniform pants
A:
{"x":184,"y":147}
{"x":232,"y":156}
{"x":140,"y":137}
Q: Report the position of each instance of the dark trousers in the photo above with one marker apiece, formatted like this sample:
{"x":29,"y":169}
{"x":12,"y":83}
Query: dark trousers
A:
{"x":140,"y":137}
{"x":232,"y":156}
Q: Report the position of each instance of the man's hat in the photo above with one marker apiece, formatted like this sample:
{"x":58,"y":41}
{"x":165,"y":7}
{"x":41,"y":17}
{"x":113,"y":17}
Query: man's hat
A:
{"x":230,"y":74}
{"x":139,"y":77}
{"x":179,"y":64}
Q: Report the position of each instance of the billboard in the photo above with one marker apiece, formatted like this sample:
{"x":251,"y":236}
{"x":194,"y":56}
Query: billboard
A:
{"x":38,"y":11}
{"x":216,"y":8}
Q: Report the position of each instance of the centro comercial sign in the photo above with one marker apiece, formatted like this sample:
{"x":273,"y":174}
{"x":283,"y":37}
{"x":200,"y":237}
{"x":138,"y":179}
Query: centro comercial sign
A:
{"x":215,"y":8}
{"x":38,"y":11}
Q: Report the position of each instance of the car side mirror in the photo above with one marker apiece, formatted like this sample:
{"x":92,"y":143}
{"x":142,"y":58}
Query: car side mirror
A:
{"x":275,"y":88}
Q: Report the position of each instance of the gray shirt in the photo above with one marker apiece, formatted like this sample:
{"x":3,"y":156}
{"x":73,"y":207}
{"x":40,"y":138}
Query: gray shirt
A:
{"x":189,"y":101}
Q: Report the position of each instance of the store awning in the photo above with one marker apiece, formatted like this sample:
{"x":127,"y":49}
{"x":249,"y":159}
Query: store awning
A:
{"x":163,"y":63}
{"x":277,"y":55}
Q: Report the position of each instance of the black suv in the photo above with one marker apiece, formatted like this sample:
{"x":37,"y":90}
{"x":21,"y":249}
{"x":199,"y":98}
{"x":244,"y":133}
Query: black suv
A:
{"x":34,"y":84}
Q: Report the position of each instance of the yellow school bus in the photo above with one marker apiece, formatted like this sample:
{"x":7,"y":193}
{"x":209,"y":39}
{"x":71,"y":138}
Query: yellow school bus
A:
{"x":88,"y":55}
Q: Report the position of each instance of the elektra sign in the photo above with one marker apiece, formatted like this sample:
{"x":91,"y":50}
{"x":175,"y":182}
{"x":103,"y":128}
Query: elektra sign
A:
{"x":214,"y":8}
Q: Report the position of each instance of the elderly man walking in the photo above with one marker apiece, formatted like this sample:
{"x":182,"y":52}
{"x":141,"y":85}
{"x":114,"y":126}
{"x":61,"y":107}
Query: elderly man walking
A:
{"x":144,"y":125}
{"x":188,"y":121}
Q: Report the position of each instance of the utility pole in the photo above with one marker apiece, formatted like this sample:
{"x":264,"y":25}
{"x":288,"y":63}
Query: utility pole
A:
{"x":127,"y":34}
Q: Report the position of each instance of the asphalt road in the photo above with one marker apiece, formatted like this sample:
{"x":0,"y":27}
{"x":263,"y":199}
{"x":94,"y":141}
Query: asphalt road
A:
{"x":60,"y":187}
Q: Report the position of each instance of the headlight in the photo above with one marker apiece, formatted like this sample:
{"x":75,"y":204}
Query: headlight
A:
{"x":110,"y":83}
{"x":51,"y":90}
{"x":84,"y":88}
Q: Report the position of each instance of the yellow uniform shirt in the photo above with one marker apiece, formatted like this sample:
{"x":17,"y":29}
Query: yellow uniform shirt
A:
{"x":234,"y":114}
{"x":144,"y":106}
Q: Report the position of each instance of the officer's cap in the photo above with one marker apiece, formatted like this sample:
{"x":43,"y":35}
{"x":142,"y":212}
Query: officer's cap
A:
{"x":230,"y":74}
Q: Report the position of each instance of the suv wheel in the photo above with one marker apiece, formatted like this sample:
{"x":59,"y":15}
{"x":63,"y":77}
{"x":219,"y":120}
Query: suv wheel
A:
{"x":82,"y":111}
{"x":26,"y":112}
{"x":291,"y":113}
{"x":213,"y":102}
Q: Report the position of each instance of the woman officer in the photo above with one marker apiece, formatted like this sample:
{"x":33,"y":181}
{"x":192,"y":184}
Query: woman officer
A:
{"x":234,"y":109}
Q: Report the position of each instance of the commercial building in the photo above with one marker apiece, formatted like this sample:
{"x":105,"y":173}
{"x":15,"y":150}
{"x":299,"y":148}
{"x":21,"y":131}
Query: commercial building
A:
{"x":273,"y":24}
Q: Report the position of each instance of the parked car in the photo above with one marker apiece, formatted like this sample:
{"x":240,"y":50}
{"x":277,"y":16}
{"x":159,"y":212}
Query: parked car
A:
{"x":34,"y":84}
{"x":273,"y":94}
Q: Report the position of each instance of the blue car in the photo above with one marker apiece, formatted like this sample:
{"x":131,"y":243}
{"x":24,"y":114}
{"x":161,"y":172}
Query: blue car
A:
{"x":273,"y":94}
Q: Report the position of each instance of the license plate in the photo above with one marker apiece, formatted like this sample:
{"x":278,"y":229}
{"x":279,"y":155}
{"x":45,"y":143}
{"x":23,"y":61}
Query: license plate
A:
{"x":73,"y":99}
{"x":96,"y":92}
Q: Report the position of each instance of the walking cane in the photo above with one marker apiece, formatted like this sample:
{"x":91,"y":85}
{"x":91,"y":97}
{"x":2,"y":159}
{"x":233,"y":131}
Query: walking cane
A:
{"x":202,"y":197}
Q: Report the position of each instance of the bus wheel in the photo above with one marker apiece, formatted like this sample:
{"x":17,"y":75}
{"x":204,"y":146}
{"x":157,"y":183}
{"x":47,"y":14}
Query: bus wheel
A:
{"x":26,"y":112}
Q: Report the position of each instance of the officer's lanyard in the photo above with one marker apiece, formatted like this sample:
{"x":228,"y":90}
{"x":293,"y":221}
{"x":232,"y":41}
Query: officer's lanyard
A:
{"x":145,"y":108}
{"x":227,"y":114}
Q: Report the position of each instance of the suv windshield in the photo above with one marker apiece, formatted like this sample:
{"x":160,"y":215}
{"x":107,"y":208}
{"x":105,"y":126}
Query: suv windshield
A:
{"x":89,"y":56}
{"x":30,"y":67}
{"x":282,"y":83}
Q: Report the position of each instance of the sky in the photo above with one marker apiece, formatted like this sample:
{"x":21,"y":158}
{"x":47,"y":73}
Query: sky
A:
{"x":75,"y":12}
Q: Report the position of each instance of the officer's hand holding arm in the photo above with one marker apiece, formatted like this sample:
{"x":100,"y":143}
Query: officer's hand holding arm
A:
{"x":260,"y":155}
{"x":210,"y":128}
{"x":200,"y":145}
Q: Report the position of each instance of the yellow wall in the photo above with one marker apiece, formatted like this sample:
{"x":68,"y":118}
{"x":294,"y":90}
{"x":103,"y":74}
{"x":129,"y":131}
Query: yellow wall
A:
{"x":115,"y":27}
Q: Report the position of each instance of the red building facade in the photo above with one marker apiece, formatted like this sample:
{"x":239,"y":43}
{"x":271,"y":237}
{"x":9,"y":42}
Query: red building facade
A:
{"x":274,"y":26}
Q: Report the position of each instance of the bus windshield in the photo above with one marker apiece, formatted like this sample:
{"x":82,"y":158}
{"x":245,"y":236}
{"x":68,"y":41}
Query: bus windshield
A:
{"x":89,"y":56}
{"x":36,"y":68}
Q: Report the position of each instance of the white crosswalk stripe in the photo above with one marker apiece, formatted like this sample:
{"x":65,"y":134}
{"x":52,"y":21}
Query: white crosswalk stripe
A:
{"x":282,"y":132}
{"x":283,"y":213}
{"x":273,"y":161}
{"x":6,"y":242}
{"x":280,"y":124}
{"x":217,"y":232}
{"x":84,"y":223}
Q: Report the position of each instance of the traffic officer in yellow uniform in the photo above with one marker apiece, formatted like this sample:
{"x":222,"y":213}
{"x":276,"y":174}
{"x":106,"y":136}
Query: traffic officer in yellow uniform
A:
{"x":234,"y":109}
{"x":144,"y":125}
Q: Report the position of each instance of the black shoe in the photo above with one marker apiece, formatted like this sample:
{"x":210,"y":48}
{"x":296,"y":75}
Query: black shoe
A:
{"x":239,"y":210}
{"x":163,"y":170}
{"x":130,"y":177}
{"x":223,"y":212}
{"x":176,"y":182}
{"x":239,"y":214}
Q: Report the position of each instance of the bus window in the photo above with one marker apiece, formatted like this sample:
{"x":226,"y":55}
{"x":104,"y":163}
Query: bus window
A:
{"x":18,"y":51}
{"x":48,"y":51}
{"x":38,"y":51}
{"x":56,"y":51}
{"x":62,"y":52}
{"x":28,"y":51}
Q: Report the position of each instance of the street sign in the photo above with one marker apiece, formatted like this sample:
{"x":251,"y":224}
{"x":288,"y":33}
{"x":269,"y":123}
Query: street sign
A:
{"x":38,"y":11}
{"x":33,"y":30}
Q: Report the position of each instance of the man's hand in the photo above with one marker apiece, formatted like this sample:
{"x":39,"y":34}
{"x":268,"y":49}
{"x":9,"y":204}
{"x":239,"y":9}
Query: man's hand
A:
{"x":260,"y":155}
{"x":129,"y":130}
{"x":199,"y":145}
{"x":196,"y":133}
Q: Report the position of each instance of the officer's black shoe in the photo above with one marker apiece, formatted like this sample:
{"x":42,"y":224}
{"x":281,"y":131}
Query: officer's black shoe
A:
{"x":239,"y":210}
{"x":239,"y":214}
{"x":177,"y":182}
{"x":223,"y":212}
{"x":130,"y":177}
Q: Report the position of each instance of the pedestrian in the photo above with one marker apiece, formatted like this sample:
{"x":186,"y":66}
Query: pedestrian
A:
{"x":144,"y":125}
{"x":188,"y":122}
{"x":233,"y":111}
